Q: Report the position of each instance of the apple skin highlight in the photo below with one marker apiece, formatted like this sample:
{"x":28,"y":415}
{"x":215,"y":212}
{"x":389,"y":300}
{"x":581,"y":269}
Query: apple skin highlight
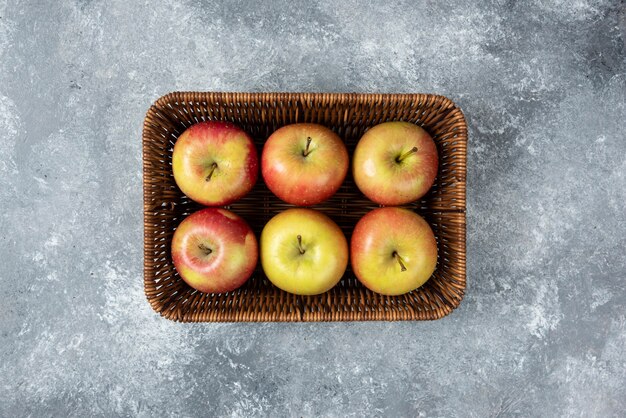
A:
{"x":303,"y":251}
{"x":304,"y":163}
{"x":395,"y":163}
{"x":393,"y":251}
{"x":215,"y":163}
{"x":214,"y":250}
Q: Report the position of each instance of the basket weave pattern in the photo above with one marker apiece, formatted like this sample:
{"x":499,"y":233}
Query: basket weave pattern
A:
{"x":260,"y":114}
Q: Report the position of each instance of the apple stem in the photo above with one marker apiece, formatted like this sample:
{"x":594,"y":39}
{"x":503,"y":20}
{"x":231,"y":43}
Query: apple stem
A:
{"x":213,"y":167}
{"x":306,"y":150}
{"x":302,"y":251}
{"x":406,"y":154}
{"x":397,"y":257}
{"x":206,"y":249}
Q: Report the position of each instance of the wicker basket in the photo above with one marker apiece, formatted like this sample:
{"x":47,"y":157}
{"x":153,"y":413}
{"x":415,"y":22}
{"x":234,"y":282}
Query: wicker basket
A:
{"x":349,"y":115}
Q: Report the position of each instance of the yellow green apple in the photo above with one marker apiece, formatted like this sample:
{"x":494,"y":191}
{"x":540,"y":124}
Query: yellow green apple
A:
{"x":304,"y":163}
{"x":393,"y":251}
{"x":215,"y":163}
{"x":214,"y":250}
{"x":303,"y":251}
{"x":395,"y":163}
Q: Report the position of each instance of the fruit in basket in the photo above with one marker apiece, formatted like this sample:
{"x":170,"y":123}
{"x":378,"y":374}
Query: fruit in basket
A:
{"x":215,"y":163}
{"x":214,"y":250}
{"x":395,"y":163}
{"x":304,"y":163}
{"x":393,"y":251}
{"x":303,"y":251}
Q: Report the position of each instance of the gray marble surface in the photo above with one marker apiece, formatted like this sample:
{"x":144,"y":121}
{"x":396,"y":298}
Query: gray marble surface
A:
{"x":542,"y":329}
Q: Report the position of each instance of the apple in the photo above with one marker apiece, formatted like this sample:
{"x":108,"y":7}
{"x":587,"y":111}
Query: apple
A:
{"x":304,"y":163}
{"x":395,"y":163}
{"x":393,"y":251}
{"x":303,"y":251}
{"x":215,"y":163}
{"x":214,"y":250}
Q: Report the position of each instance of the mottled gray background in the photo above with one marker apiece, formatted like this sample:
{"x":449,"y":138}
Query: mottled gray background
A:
{"x":542,"y":329}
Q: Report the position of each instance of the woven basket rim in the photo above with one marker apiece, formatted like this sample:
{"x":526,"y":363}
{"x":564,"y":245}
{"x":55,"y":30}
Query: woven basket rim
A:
{"x":322,"y":96}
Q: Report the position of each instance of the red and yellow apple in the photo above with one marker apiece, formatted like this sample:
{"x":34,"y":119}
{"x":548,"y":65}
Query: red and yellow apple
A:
{"x":304,"y":163}
{"x":214,"y":250}
{"x":215,"y":163}
{"x":395,"y":163}
{"x":303,"y":251}
{"x":393,"y":251}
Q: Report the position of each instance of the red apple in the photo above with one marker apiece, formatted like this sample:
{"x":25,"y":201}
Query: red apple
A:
{"x":215,"y":163}
{"x":304,"y":163}
{"x":395,"y":163}
{"x":214,"y":250}
{"x":393,"y":251}
{"x":303,"y":251}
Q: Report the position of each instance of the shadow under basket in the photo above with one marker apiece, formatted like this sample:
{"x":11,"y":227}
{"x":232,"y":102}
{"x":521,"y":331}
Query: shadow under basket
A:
{"x":260,"y":114}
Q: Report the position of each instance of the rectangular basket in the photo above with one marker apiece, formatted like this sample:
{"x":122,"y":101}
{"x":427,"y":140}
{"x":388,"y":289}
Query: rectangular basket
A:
{"x":260,"y":114}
